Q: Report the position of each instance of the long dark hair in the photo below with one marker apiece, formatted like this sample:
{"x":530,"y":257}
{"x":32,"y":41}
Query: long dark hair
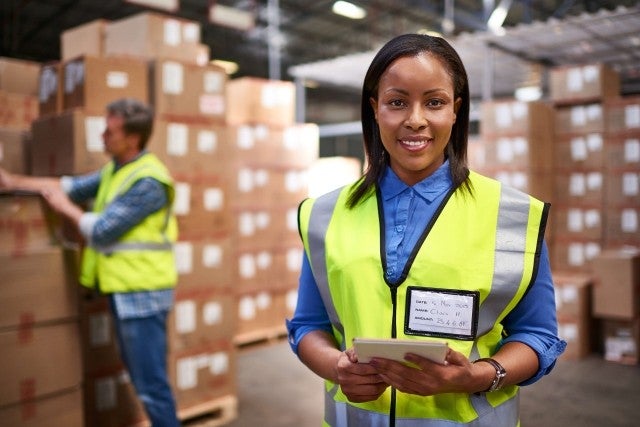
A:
{"x":376,"y":156}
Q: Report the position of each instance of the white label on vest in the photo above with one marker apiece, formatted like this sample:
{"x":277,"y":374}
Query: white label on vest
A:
{"x":442,"y":313}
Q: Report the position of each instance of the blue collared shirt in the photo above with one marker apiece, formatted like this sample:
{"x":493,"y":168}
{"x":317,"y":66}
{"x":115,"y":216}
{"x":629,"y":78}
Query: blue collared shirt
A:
{"x":532,"y":322}
{"x":144,"y":197}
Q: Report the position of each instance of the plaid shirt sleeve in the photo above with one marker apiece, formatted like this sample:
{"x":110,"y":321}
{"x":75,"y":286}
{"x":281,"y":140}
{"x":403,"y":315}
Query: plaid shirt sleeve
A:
{"x":145,"y":197}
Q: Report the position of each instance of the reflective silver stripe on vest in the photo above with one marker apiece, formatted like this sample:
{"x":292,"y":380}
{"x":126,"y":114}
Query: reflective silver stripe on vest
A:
{"x":133,"y":246}
{"x":321,"y":213}
{"x":511,"y":233}
{"x":341,"y":414}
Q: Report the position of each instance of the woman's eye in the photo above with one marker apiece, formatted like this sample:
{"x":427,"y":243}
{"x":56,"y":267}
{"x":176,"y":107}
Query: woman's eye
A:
{"x":396,"y":103}
{"x":435,"y":103}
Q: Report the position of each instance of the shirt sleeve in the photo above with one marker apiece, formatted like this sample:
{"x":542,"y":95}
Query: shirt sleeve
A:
{"x":310,"y":313}
{"x":144,"y":197}
{"x":534,"y":323}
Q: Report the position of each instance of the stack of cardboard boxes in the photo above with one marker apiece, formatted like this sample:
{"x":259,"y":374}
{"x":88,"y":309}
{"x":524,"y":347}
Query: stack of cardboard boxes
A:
{"x":159,"y":60}
{"x":596,"y":229}
{"x":581,"y":152}
{"x":268,"y":179}
{"x":39,"y":325}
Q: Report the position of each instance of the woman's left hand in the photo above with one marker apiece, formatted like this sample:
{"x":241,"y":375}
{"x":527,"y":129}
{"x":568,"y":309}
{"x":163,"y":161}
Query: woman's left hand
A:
{"x":427,"y":378}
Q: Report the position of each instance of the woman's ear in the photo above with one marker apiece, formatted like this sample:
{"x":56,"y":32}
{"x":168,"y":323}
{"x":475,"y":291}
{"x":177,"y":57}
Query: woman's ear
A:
{"x":374,"y":106}
{"x":456,"y":106}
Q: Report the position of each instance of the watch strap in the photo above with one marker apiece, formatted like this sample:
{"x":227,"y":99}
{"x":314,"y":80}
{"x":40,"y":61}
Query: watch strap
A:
{"x":501,"y":373}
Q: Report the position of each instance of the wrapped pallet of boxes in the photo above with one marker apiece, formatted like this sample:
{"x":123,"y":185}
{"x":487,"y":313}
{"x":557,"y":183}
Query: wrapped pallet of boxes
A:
{"x":38,"y":321}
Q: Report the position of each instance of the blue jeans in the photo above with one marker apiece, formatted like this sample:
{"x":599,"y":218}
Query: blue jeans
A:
{"x":143,"y":347}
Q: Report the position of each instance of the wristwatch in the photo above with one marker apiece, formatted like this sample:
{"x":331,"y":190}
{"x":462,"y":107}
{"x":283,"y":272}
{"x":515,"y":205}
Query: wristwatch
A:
{"x":501,"y":373}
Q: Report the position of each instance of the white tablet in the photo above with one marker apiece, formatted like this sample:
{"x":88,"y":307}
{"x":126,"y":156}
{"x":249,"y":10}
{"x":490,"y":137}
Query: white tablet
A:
{"x":395,"y":349}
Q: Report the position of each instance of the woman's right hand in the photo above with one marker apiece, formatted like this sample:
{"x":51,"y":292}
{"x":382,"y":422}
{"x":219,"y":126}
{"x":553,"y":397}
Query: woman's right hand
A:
{"x":360,"y":382}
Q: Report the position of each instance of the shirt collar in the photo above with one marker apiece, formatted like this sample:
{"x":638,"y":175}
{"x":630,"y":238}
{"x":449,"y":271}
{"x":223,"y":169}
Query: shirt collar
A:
{"x":429,"y":188}
{"x":120,"y":165}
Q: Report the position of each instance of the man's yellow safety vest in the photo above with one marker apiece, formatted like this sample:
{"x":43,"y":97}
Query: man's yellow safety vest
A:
{"x":143,"y":258}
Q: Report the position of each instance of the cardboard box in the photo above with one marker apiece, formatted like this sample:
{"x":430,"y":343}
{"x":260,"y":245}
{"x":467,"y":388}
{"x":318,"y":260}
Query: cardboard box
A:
{"x":203,"y":261}
{"x":13,"y":150}
{"x":623,"y":152}
{"x":255,"y":268}
{"x":259,"y":315}
{"x":580,"y":119}
{"x":110,"y":399}
{"x":622,"y":226}
{"x":202,"y":206}
{"x":517,"y":118}
{"x":99,"y":344}
{"x":191,"y":148}
{"x":623,"y":188}
{"x":580,"y":187}
{"x":574,"y":84}
{"x":580,"y":151}
{"x":573,"y":307}
{"x":288,"y":261}
{"x":622,"y":341}
{"x":90,"y":83}
{"x":150,"y":35}
{"x":19,"y":76}
{"x":184,"y":91}
{"x":616,"y":290}
{"x":578,"y":222}
{"x":31,"y":297}
{"x":573,"y":294}
{"x":85,"y":39}
{"x":24,"y":226}
{"x":201,"y":316}
{"x":50,"y":84}
{"x":30,"y":353}
{"x":252,"y":100}
{"x":623,"y":115}
{"x":18,"y":111}
{"x":62,"y":409}
{"x":69,"y":143}
{"x":295,"y":146}
{"x":575,"y":255}
{"x":204,"y":373}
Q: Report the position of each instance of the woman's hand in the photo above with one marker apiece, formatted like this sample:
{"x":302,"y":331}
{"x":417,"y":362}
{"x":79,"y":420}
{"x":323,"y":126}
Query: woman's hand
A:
{"x":360,"y":382}
{"x":428,"y":378}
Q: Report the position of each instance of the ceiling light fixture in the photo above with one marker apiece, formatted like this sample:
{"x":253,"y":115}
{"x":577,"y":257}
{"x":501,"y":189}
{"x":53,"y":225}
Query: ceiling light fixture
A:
{"x":348,"y":10}
{"x":498,"y":16}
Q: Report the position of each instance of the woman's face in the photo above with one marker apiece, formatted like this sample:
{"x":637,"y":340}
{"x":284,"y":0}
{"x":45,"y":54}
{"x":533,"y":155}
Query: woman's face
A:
{"x":415,"y":110}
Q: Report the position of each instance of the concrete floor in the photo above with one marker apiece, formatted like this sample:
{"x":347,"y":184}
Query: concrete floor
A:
{"x":277,"y":390}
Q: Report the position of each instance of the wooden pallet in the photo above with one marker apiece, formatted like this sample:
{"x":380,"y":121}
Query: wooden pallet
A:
{"x":214,"y":413}
{"x":260,"y":337}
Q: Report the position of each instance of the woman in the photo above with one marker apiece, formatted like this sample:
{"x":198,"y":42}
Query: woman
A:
{"x":420,"y":227}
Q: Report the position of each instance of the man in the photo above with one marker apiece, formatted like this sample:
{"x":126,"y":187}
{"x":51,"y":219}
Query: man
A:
{"x":129,"y":238}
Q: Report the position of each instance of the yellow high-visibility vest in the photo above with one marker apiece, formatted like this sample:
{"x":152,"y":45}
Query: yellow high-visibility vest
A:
{"x":487,"y":242}
{"x":143,"y":258}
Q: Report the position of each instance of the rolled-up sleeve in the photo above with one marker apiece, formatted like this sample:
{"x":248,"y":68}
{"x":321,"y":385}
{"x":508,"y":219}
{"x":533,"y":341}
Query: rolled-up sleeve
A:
{"x":310,"y":313}
{"x":534,"y":321}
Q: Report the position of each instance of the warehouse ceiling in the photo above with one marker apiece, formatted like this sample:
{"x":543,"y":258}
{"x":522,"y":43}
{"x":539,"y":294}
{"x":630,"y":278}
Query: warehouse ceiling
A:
{"x":307,"y":40}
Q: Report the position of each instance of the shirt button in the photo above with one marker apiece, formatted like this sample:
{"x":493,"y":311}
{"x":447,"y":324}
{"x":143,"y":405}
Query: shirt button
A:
{"x":399,"y":228}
